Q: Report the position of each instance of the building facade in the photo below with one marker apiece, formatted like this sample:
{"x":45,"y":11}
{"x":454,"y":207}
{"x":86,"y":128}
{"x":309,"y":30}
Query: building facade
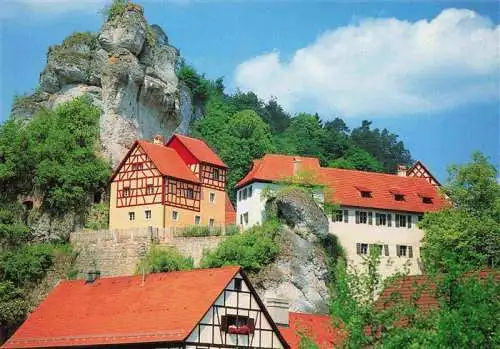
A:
{"x":198,"y":309}
{"x":375,"y":211}
{"x":177,"y":184}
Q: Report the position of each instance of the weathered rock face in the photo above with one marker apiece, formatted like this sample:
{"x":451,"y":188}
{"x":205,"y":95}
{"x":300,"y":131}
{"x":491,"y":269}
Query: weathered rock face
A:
{"x":128,"y":70}
{"x":300,"y":274}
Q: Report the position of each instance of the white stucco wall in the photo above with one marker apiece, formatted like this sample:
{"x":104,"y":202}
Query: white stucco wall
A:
{"x":254,"y":205}
{"x":351,"y":233}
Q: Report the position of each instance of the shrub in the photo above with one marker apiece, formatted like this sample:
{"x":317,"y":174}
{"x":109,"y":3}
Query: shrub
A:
{"x":232,"y":230}
{"x":26,"y":264}
{"x":98,"y":216}
{"x":118,"y":8}
{"x":13,"y":306}
{"x":160,"y":260}
{"x":251,"y":250}
{"x":201,"y":230}
{"x":197,"y":83}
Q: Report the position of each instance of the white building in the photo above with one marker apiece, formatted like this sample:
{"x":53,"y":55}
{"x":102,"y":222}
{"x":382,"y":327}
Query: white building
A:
{"x":375,"y":210}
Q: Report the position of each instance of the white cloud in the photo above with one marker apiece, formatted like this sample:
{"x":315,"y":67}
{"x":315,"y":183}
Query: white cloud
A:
{"x":384,"y":67}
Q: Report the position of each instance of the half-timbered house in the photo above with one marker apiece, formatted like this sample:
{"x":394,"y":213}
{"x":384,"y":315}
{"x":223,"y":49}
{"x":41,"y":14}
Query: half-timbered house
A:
{"x":199,"y":309}
{"x":180,"y":183}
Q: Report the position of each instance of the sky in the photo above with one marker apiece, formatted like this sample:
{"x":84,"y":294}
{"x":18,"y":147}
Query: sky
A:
{"x":428,"y":71}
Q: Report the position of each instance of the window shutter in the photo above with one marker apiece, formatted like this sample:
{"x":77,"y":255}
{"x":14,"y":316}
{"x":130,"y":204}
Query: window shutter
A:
{"x":358,"y":248}
{"x":251,"y":325}
{"x":386,"y":250}
{"x":389,"y":220}
{"x":346,"y":216}
{"x":357,"y":217}
{"x":223,"y":323}
{"x":397,"y":250}
{"x":410,"y":251}
{"x":409,"y":221}
{"x":370,"y":218}
{"x":397,"y":223}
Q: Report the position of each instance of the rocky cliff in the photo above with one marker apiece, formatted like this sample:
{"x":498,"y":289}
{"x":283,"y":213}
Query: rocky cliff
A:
{"x":128,"y":70}
{"x":301,"y":272}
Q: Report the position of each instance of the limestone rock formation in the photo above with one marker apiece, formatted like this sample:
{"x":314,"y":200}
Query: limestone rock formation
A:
{"x":128,"y":69}
{"x":300,"y":274}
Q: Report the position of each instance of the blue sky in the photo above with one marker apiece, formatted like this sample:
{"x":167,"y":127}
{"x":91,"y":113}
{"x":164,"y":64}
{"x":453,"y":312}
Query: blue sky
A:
{"x":419,"y":70}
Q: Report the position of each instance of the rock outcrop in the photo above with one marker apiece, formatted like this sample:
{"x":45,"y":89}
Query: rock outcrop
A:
{"x":300,"y":274}
{"x":128,"y":69}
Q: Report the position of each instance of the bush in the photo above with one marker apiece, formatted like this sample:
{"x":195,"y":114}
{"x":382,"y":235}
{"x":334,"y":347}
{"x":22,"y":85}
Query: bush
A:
{"x":13,"y":306}
{"x":199,"y":86}
{"x":98,"y":217}
{"x":160,"y":260}
{"x":251,"y":250}
{"x":232,"y":229}
{"x":26,"y":264}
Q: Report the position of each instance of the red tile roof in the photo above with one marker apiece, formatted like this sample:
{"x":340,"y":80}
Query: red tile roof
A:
{"x":343,"y":189}
{"x":119,"y":310}
{"x":274,"y":167}
{"x":230,"y":212}
{"x":345,"y":186}
{"x":199,"y":149}
{"x":319,"y":328}
{"x":168,"y":161}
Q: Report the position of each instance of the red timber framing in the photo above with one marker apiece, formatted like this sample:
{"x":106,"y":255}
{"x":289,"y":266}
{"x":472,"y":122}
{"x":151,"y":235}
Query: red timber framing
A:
{"x":182,"y":194}
{"x":420,"y":171}
{"x":213,"y":176}
{"x":138,"y":181}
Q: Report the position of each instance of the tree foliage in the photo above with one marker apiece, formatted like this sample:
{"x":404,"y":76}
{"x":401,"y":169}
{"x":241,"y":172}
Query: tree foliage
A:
{"x":159,"y":260}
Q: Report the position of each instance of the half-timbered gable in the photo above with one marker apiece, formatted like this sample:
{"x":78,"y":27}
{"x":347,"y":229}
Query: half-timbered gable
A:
{"x":419,"y":170}
{"x":212,"y":176}
{"x":157,"y":311}
{"x":138,"y":181}
{"x":183,"y":194}
{"x":236,"y":319}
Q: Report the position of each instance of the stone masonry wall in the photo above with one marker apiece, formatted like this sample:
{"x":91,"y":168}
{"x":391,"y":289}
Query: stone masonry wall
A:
{"x":116,"y":252}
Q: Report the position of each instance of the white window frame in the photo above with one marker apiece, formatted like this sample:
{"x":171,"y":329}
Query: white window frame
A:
{"x":175,"y":216}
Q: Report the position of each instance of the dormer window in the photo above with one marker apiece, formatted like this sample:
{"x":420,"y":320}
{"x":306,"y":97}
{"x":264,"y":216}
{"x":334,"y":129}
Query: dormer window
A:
{"x":399,"y":197}
{"x":427,"y":200}
{"x":364,"y":192}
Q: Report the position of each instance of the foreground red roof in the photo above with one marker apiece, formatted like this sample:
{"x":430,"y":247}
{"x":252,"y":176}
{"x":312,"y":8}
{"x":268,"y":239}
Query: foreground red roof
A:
{"x":274,"y":167}
{"x":344,"y":188}
{"x":319,"y":328}
{"x":119,"y":310}
{"x":199,"y":149}
{"x":168,"y":161}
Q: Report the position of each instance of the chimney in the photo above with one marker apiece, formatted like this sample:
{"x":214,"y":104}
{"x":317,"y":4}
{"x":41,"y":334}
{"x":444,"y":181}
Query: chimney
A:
{"x":296,"y":165}
{"x":278,"y":309}
{"x":92,"y":276}
{"x":158,"y":139}
{"x":402,"y":170}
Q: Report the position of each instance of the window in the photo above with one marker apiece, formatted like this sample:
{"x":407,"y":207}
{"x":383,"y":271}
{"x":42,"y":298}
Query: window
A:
{"x":212,"y":198}
{"x":361,"y":217}
{"x":189,"y":193}
{"x":241,"y":219}
{"x":215,"y":174}
{"x":126,"y":191}
{"x":361,"y":248}
{"x":244,"y":194}
{"x":131,"y":216}
{"x":366,"y":194}
{"x":346,"y":216}
{"x":245,"y":217}
{"x":389,"y":219}
{"x":147,"y":214}
{"x":150,"y":189}
{"x":250,"y":191}
{"x":175,"y":215}
{"x":136,"y":166}
{"x":237,"y":324}
{"x":399,"y":197}
{"x":427,"y":200}
{"x":420,"y":217}
{"x":400,"y":220}
{"x":197,"y":220}
{"x":237,"y":284}
{"x":211,"y":222}
{"x":409,"y":221}
{"x":337,"y":216}
{"x":370,"y":218}
{"x":380,"y":219}
{"x":239,"y":195}
{"x":404,"y":251}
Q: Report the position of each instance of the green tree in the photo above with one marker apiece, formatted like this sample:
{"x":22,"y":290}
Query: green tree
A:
{"x":383,"y":145}
{"x":159,"y":260}
{"x":357,"y":159}
{"x":466,"y":235}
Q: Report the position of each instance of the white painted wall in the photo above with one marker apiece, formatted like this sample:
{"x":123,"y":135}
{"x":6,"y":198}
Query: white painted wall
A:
{"x":351,"y":233}
{"x":254,"y":205}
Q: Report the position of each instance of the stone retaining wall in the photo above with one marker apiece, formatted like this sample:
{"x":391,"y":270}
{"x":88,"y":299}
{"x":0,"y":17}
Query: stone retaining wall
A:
{"x":116,"y":252}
